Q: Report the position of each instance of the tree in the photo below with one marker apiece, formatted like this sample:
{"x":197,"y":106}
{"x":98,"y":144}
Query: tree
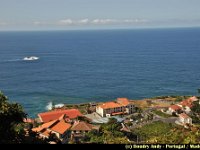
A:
{"x":196,"y":107}
{"x":54,"y":138}
{"x":12,"y":125}
{"x":11,"y":115}
{"x":109,"y":133}
{"x":195,"y":112}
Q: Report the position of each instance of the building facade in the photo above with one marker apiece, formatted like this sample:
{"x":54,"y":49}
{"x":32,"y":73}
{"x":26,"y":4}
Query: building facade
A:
{"x":119,"y":107}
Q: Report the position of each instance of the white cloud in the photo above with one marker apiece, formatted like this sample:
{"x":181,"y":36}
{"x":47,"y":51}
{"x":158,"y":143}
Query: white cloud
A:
{"x":103,"y":21}
{"x":83,"y":21}
{"x":65,"y":22}
{"x":133,"y":21}
{"x":100,"y":21}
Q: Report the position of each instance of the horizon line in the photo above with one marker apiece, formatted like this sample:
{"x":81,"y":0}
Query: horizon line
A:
{"x":96,"y":29}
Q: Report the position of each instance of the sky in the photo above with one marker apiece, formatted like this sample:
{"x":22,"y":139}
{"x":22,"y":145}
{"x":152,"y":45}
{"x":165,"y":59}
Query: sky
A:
{"x":97,"y":14}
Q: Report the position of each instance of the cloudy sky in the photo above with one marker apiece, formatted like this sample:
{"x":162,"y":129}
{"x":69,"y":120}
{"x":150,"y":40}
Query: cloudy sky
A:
{"x":97,"y":14}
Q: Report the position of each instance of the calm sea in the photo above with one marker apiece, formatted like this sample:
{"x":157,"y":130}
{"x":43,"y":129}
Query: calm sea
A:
{"x":83,"y":66}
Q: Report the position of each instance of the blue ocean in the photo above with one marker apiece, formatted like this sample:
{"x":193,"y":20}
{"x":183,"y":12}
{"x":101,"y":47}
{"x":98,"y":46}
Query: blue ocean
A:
{"x":98,"y":65}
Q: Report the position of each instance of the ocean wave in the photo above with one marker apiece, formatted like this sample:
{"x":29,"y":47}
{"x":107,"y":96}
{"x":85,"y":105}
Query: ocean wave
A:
{"x":49,"y":106}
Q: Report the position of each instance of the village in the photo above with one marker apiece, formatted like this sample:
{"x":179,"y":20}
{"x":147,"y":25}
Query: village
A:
{"x":86,"y":123}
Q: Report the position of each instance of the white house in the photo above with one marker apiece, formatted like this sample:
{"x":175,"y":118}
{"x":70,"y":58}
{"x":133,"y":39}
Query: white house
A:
{"x":183,"y":106}
{"x":120,"y":106}
{"x":174,"y":109}
{"x":184,"y":119}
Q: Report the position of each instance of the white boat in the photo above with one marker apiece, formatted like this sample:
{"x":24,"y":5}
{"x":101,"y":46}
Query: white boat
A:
{"x":31,"y":58}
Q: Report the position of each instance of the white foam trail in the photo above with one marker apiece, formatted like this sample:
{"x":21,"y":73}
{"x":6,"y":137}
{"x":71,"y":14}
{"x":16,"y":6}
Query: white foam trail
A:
{"x":11,"y":60}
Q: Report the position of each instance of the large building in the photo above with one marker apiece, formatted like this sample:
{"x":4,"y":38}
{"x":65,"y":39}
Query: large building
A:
{"x":60,"y":127}
{"x":119,"y":107}
{"x":55,"y":114}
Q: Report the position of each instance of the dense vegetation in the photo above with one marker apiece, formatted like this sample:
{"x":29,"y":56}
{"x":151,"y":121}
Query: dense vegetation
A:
{"x":195,"y":112}
{"x":162,"y":133}
{"x":11,"y":117}
{"x":12,"y":126}
{"x":109,"y":134}
{"x":150,"y":132}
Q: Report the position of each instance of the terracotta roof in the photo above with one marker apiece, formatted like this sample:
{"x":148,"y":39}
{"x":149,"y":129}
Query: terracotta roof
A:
{"x":81,"y":126}
{"x":58,"y":125}
{"x":193,"y":98}
{"x":175,"y":107}
{"x":43,"y":126}
{"x":45,"y":132}
{"x":183,"y":115}
{"x":108,"y":105}
{"x":53,"y":115}
{"x":188,"y":102}
{"x":123,"y":101}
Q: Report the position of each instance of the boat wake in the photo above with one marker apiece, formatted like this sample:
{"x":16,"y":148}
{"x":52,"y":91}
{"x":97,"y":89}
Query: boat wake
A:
{"x":11,"y":60}
{"x":31,"y":58}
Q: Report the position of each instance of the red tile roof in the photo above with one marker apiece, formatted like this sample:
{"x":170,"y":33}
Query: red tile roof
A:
{"x":108,"y":105}
{"x":53,"y":115}
{"x":81,"y":126}
{"x":43,"y":126}
{"x":183,"y":115}
{"x":123,"y":101}
{"x":188,"y":102}
{"x":45,"y":132}
{"x":59,"y":126}
{"x":193,"y":98}
{"x":175,"y":107}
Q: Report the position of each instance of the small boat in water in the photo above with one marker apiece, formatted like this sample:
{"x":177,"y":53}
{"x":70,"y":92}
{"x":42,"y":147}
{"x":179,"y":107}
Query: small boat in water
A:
{"x":31,"y":58}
